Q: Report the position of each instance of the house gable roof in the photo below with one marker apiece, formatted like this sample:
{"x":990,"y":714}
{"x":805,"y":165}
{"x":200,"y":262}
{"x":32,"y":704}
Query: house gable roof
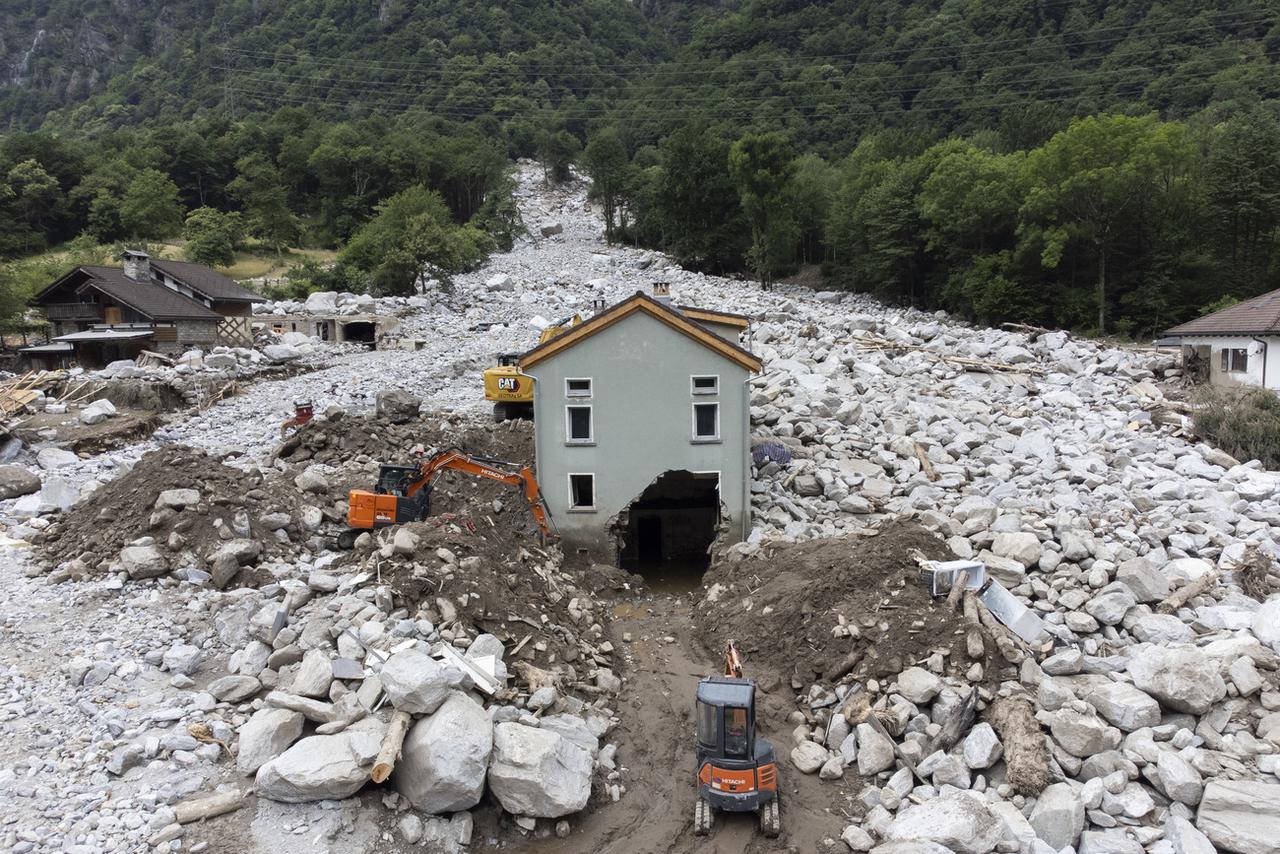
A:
{"x":1257,"y":316}
{"x":640,"y":303}
{"x":147,"y":298}
{"x":206,"y":282}
{"x":710,"y":315}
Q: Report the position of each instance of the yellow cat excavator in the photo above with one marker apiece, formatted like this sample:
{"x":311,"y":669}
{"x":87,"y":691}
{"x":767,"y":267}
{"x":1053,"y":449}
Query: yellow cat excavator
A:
{"x":511,"y":390}
{"x":736,"y":771}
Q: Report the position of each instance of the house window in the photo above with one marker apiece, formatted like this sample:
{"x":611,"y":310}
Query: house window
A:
{"x":706,"y":385}
{"x":1235,"y":361}
{"x":706,"y":422}
{"x":580,"y":387}
{"x":577,"y":429}
{"x":582,"y":492}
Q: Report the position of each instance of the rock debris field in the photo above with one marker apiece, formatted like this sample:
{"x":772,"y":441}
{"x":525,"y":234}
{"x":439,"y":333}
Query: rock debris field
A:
{"x":189,"y":663}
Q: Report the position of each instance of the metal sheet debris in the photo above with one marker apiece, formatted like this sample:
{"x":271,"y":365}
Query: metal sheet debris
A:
{"x":480,"y":670}
{"x":940,"y":576}
{"x":347,"y":668}
{"x":1006,"y":608}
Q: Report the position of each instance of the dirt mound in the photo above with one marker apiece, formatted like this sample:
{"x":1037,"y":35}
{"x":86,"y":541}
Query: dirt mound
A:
{"x":784,"y":606}
{"x":95,"y":530}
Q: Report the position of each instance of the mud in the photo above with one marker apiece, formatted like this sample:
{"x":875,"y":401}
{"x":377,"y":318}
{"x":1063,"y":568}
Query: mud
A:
{"x":656,"y":748}
{"x":782,"y":606}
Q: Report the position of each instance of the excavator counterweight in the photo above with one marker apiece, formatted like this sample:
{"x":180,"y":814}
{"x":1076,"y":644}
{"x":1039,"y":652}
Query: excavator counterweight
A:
{"x":403,"y":493}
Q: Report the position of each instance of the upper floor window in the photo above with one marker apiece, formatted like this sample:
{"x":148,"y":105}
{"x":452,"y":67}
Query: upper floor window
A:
{"x":706,"y":385}
{"x":578,"y":427}
{"x":577,"y":387}
{"x":706,"y":422}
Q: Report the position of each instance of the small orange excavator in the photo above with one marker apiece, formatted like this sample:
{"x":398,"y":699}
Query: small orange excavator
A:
{"x":403,"y":493}
{"x":736,"y":770}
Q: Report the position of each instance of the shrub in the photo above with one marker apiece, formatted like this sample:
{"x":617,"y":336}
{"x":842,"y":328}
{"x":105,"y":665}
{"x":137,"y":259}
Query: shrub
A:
{"x":1243,"y":422}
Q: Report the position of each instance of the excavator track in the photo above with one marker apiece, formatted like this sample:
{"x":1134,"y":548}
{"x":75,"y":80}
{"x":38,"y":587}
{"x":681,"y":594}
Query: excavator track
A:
{"x":702,"y":817}
{"x":771,"y":819}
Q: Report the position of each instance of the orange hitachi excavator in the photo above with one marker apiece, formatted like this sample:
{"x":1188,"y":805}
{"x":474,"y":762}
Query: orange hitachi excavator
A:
{"x":736,"y":770}
{"x":403,"y":493}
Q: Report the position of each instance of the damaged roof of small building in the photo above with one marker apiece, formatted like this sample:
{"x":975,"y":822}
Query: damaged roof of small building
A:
{"x":147,"y":298}
{"x":673,"y":317}
{"x":1257,"y":316}
{"x":206,"y":282}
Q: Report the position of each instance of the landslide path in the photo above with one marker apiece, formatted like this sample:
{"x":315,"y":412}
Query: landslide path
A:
{"x":656,"y":748}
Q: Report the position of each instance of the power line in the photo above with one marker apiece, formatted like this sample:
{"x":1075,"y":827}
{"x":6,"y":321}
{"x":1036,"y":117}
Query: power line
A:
{"x":1020,"y":98}
{"x":1024,"y":43}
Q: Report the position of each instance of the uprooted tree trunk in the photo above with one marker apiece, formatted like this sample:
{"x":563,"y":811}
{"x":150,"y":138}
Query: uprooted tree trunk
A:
{"x":1026,"y":756}
{"x":1187,"y":592}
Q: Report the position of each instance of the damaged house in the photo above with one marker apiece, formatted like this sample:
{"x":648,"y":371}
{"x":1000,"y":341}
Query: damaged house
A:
{"x":100,"y":314}
{"x":1232,"y":347}
{"x":642,"y":433}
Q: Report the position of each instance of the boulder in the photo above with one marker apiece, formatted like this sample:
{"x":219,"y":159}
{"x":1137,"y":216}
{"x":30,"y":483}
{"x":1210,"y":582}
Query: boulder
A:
{"x":1185,"y":838}
{"x":1109,"y":605}
{"x":551,"y":229}
{"x":1109,"y":842}
{"x":314,"y":675}
{"x":280,"y":353}
{"x":182,"y":658}
{"x":538,"y":773}
{"x":808,"y":756}
{"x":1081,"y":735}
{"x":97,"y":412}
{"x":143,"y":562}
{"x":1242,"y":816}
{"x":265,"y":736}
{"x":1058,"y":816}
{"x":445,"y":757}
{"x":1021,"y":546}
{"x":1124,"y":706}
{"x":958,"y":821}
{"x":1179,"y":779}
{"x":322,"y":302}
{"x":177,"y":499}
{"x":1182,"y":678}
{"x":234,"y":688}
{"x":875,"y":752}
{"x":53,"y":458}
{"x":396,"y":406}
{"x":918,"y":685}
{"x":415,"y":682}
{"x":982,"y":748}
{"x":17,"y":480}
{"x":1147,"y":583}
{"x":1266,"y":623}
{"x":322,"y":767}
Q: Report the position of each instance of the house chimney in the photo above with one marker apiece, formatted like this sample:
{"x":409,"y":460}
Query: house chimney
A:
{"x":598,"y":304}
{"x":662,"y":292}
{"x":137,"y":265}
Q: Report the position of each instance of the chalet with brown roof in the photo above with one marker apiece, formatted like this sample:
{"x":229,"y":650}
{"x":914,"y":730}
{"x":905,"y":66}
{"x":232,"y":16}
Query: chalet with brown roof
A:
{"x":100,"y":314}
{"x":1239,"y":345}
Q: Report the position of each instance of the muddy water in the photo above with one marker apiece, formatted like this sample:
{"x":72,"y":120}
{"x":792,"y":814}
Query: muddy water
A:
{"x":656,"y":748}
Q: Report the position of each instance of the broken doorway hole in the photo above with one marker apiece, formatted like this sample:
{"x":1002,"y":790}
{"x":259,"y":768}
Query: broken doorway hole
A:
{"x":361,"y":332}
{"x":666,"y":534}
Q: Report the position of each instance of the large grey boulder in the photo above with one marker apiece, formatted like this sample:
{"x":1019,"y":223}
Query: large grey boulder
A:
{"x":445,"y":756}
{"x":1179,"y":779}
{"x":1266,"y":623}
{"x":1109,"y":842}
{"x":97,"y":412}
{"x":398,"y":407}
{"x":1124,"y":706}
{"x":875,"y":752}
{"x":52,"y":458}
{"x":1109,"y":605}
{"x":1241,"y":816}
{"x":1185,"y":838}
{"x":538,"y":773}
{"x":1183,"y":679}
{"x":177,"y":499}
{"x":1146,"y":581}
{"x":265,"y":736}
{"x":322,"y":767}
{"x":417,"y":683}
{"x":1058,"y":816}
{"x":961,"y":822}
{"x":17,"y":480}
{"x":314,"y":675}
{"x":143,"y":562}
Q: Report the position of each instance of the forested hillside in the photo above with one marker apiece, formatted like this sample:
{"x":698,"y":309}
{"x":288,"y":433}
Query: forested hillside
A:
{"x":925,"y":151}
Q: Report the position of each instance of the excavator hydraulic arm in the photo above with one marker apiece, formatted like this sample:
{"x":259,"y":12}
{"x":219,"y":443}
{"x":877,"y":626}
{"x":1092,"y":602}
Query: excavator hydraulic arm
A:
{"x":372,"y":510}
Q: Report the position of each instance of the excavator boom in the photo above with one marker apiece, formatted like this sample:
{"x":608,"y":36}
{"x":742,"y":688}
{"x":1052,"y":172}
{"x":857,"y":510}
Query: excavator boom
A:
{"x":410,"y":496}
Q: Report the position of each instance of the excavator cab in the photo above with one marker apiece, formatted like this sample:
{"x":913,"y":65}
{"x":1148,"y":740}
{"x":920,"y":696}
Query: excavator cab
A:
{"x":736,"y":771}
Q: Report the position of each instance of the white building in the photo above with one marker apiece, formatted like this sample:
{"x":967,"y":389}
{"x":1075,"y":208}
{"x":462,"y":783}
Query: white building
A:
{"x":1239,"y":345}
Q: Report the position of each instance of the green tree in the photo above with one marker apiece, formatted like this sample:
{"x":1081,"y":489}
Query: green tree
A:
{"x":257,"y":186}
{"x":605,"y":159}
{"x":411,"y":237}
{"x":695,"y":210}
{"x":1088,"y":182}
{"x":37,"y":197}
{"x":150,"y":208}
{"x":212,"y":236}
{"x":557,"y":151}
{"x":762,"y":167}
{"x":1242,"y":175}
